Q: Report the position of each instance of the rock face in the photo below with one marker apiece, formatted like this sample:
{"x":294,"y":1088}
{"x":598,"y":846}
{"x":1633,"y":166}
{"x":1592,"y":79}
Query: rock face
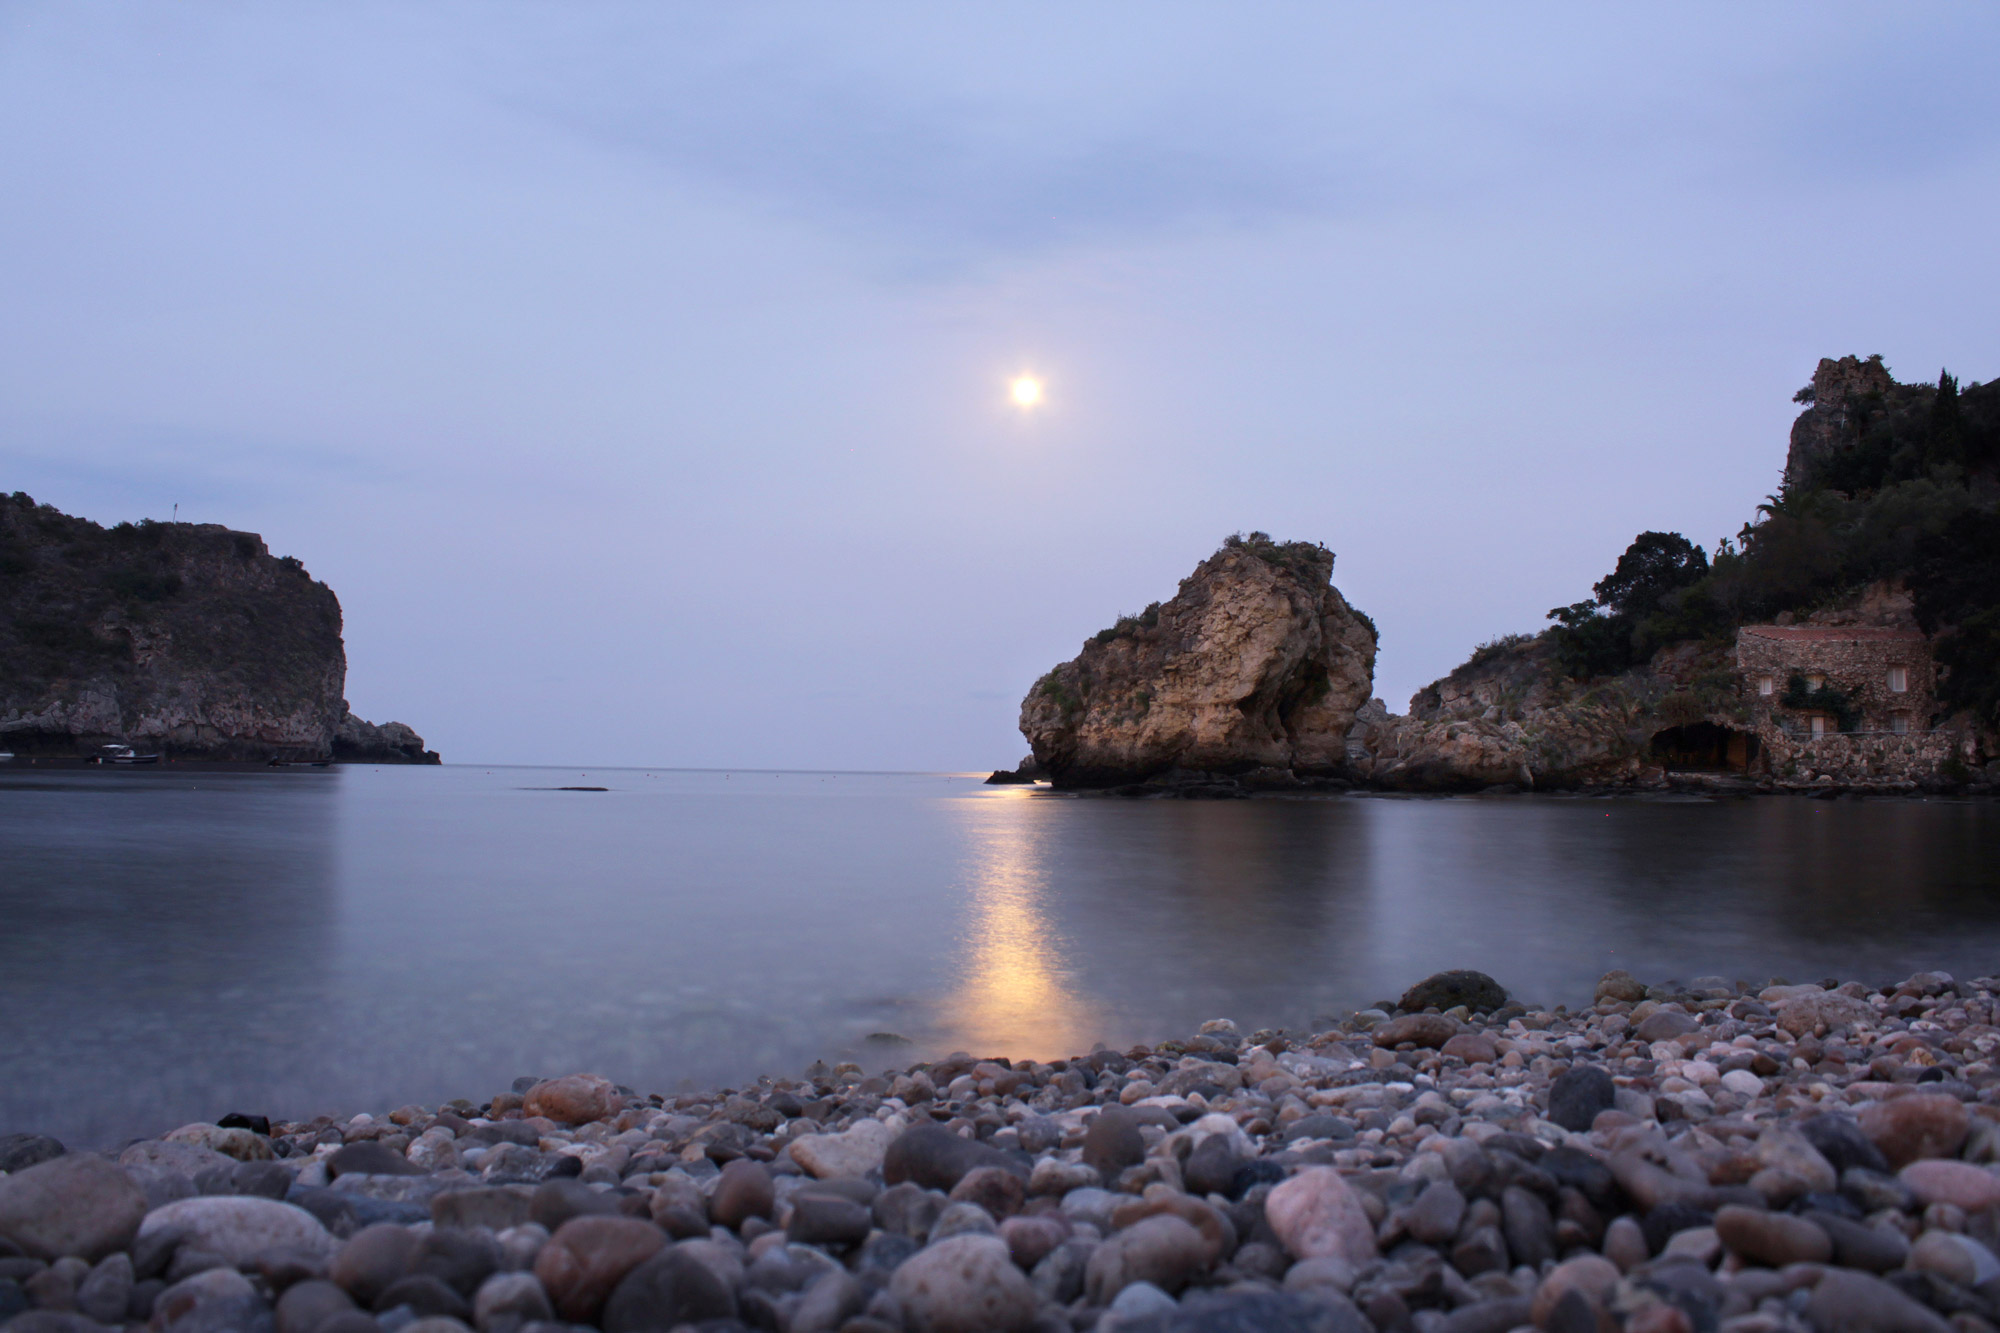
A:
{"x":1250,"y":675}
{"x":183,"y":639}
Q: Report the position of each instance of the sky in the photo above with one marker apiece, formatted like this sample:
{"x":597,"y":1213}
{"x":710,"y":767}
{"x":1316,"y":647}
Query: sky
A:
{"x":637,"y":374}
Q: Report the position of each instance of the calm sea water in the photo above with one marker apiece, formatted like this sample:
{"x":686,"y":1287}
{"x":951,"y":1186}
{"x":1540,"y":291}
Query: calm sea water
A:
{"x":175,"y":944}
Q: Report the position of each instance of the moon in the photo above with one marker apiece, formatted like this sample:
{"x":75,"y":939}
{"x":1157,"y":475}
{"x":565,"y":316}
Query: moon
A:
{"x":1027,"y":391}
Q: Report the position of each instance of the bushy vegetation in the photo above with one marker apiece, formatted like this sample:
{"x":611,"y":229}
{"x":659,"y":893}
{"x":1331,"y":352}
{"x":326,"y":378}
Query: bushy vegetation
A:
{"x":1910,"y":491}
{"x":1127,"y":626}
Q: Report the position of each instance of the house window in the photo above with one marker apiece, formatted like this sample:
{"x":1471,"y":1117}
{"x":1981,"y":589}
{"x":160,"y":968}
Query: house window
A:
{"x":1899,"y":680}
{"x":1899,"y":722}
{"x":1819,"y":724}
{"x":1766,"y":687}
{"x":1815,"y":682}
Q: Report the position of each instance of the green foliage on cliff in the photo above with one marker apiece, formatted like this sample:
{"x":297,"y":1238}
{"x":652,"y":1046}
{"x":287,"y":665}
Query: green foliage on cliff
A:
{"x":1907,"y":489}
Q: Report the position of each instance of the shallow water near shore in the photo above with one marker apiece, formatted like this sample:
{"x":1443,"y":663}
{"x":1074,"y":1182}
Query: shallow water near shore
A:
{"x":176,"y":944}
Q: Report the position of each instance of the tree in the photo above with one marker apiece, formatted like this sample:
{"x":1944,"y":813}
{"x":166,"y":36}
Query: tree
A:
{"x":1655,"y":564}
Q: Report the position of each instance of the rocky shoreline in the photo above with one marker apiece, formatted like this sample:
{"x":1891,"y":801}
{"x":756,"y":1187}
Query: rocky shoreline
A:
{"x":1706,"y":1157}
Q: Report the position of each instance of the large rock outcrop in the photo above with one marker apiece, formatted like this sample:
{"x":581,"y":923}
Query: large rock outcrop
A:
{"x":1250,"y":675}
{"x":187,"y":639}
{"x":1510,"y":717}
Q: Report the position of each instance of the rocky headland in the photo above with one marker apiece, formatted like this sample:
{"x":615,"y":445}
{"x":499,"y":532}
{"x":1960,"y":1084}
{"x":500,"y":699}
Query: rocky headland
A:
{"x":187,"y":640}
{"x":1256,"y":676}
{"x":1248,"y":677}
{"x":1710,"y":1156}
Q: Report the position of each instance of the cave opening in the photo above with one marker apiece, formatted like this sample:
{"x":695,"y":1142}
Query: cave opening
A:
{"x":1704,"y":747}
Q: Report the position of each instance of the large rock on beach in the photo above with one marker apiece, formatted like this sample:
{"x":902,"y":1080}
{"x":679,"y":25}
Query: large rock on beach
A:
{"x":1254,"y":669}
{"x":78,"y":1205}
{"x":1447,"y":990}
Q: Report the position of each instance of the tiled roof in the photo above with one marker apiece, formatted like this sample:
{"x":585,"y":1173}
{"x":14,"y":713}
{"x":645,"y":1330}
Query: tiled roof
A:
{"x":1833,"y":633}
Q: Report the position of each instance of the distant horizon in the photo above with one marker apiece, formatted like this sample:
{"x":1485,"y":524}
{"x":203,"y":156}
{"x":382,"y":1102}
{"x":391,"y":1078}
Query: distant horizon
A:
{"x":658,"y":376}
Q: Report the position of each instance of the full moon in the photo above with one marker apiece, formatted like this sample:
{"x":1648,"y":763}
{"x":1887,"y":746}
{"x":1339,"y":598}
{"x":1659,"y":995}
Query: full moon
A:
{"x":1027,"y":391}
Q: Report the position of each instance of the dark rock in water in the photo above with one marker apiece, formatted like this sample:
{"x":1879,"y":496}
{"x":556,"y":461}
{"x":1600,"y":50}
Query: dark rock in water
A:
{"x":1113,"y":1142}
{"x":1003,"y":777}
{"x":18,"y":1152}
{"x":1578,"y":1094}
{"x":1478,"y":992}
{"x":256,"y":1124}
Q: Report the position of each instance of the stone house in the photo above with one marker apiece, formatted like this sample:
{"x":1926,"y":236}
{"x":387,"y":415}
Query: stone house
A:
{"x":1843,"y":705}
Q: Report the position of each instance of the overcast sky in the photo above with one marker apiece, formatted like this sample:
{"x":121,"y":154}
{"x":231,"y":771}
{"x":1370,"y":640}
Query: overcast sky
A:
{"x":637,"y":374}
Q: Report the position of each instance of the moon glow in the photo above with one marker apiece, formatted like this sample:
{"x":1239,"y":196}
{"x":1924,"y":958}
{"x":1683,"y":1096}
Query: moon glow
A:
{"x":1027,"y":391}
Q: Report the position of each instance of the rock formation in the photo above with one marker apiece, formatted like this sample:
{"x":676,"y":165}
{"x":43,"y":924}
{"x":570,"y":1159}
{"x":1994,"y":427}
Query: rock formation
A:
{"x":1831,"y":422}
{"x":1511,"y":718}
{"x":1249,"y":676}
{"x":358,"y":742}
{"x":186,"y":639}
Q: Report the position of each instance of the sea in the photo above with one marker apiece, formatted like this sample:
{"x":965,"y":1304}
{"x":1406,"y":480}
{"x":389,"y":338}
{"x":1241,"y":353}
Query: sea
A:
{"x":180,"y":943}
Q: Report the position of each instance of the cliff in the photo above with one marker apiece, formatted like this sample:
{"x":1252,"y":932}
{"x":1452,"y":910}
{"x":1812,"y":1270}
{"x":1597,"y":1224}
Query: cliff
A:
{"x":1511,"y":717}
{"x":187,"y":639}
{"x":1888,"y":516}
{"x":1249,"y":676}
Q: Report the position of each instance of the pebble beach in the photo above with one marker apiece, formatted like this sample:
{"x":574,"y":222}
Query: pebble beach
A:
{"x":1711,"y":1156}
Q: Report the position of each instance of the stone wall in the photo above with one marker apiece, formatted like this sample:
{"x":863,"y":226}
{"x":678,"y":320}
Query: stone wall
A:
{"x":1867,"y":759}
{"x":1854,"y":659}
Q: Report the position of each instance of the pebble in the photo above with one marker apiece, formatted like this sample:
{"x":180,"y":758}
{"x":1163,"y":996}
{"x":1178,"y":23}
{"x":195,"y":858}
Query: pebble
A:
{"x":576,"y":1099}
{"x":1844,"y":1301}
{"x":855,"y":1152}
{"x":1427,"y":1030}
{"x":665,"y":1291}
{"x":588,"y":1256}
{"x":1960,"y":1184}
{"x":1578,"y":1095}
{"x":1673,"y":1159}
{"x":1113,"y":1142}
{"x":1923,"y":1124}
{"x":933,"y":1157}
{"x":964,"y":1284}
{"x":1316,"y":1213}
{"x":76,"y":1204}
{"x":744,"y":1190}
{"x":239,"y":1228}
{"x":1771,"y":1239}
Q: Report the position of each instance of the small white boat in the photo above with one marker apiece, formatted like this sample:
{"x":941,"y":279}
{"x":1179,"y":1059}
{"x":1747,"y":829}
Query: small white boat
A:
{"x":122,"y":754}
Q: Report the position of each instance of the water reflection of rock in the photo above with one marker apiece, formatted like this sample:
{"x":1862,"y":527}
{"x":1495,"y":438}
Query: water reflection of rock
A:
{"x":167,"y":944}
